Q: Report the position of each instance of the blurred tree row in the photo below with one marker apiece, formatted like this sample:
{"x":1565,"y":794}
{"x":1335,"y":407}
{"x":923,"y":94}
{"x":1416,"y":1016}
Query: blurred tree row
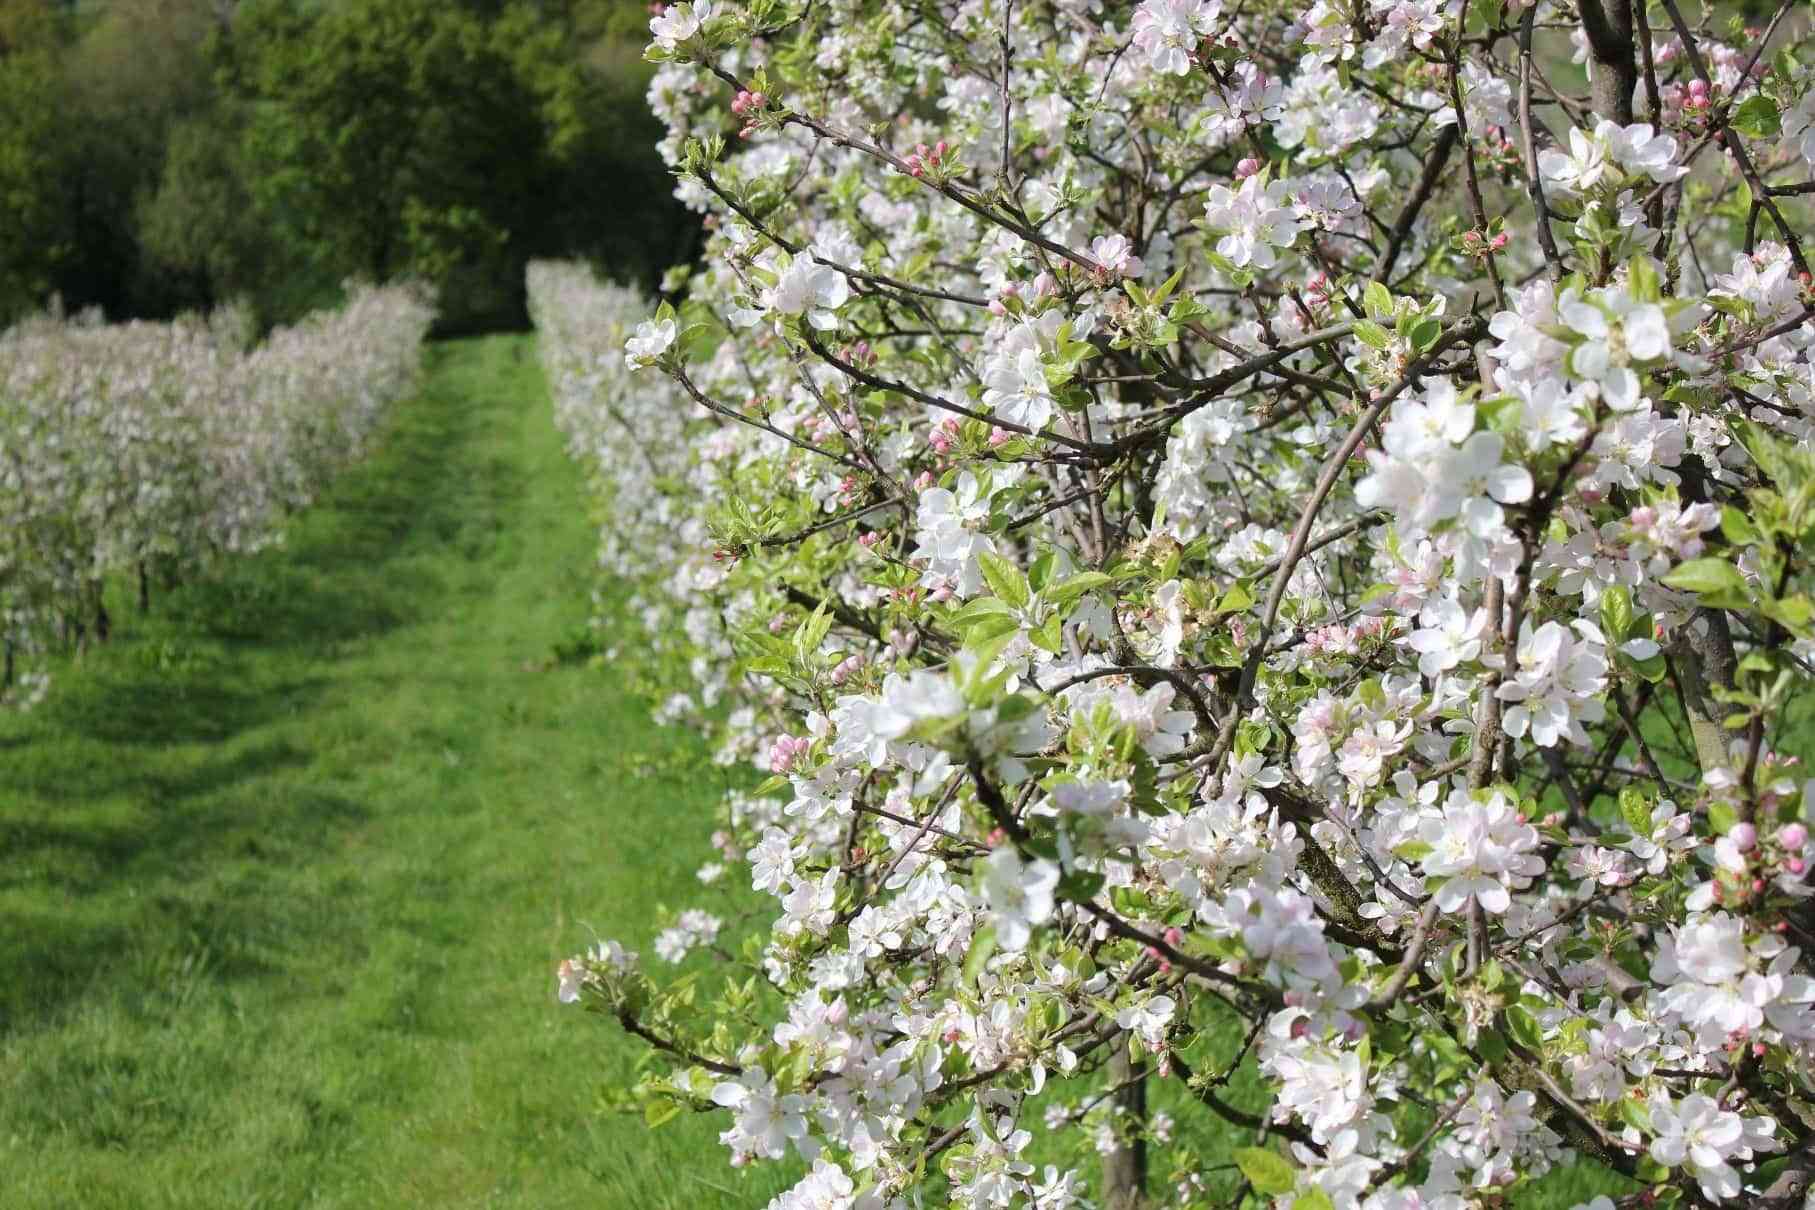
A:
{"x":163,"y":155}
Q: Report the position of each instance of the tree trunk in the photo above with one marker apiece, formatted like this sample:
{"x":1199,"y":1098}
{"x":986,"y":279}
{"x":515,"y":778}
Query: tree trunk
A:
{"x":1125,"y":1166}
{"x":1704,"y":660}
{"x":1612,"y":57}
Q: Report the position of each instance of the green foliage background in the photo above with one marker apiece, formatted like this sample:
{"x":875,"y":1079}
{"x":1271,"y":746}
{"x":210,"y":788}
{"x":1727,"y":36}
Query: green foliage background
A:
{"x":158,"y":156}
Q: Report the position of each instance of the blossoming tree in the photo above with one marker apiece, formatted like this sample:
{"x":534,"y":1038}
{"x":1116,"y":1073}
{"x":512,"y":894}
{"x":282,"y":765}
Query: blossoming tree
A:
{"x":127,"y":449}
{"x":1254,"y":542}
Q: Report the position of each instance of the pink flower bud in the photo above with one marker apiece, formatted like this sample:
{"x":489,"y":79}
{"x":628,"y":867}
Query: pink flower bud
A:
{"x":1744,"y":837}
{"x":1793,"y":836}
{"x":1247,"y":168}
{"x":999,"y":436}
{"x":1794,"y":865}
{"x":1173,"y":936}
{"x":785,"y":751}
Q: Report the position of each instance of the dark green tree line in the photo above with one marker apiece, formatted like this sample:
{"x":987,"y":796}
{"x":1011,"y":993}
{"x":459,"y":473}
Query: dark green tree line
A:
{"x":159,"y":155}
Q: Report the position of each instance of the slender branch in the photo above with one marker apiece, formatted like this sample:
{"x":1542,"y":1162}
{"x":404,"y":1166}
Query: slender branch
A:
{"x":1731,"y":140}
{"x":1534,"y":185}
{"x":1301,"y":532}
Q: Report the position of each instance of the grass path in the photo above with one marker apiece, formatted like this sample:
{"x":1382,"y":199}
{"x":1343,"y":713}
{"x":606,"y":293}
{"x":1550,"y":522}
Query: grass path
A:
{"x":284,"y":870}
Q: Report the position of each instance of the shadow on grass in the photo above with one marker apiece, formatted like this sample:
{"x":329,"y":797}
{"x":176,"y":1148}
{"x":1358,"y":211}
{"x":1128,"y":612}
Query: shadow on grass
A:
{"x":152,"y":710}
{"x":89,"y":905}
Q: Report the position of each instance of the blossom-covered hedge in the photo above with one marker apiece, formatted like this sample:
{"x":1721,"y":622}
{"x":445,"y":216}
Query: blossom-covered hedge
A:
{"x":1250,"y":539}
{"x":150,"y":449}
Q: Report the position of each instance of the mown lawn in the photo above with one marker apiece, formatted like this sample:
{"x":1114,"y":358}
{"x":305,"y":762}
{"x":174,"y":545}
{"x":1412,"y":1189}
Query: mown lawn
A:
{"x":285,"y":869}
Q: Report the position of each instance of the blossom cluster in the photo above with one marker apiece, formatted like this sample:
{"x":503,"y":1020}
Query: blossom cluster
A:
{"x":1278,"y":557}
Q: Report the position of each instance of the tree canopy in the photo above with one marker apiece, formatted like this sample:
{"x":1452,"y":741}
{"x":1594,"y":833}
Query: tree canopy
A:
{"x":163,"y":155}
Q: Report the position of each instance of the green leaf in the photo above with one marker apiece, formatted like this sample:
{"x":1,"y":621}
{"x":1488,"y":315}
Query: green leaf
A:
{"x":1373,"y":335}
{"x":1072,"y":587}
{"x":1378,"y":300}
{"x":990,"y":626}
{"x":1039,"y":572}
{"x":1616,"y":613}
{"x":1313,"y":1199}
{"x":1722,"y":817}
{"x":813,"y":630}
{"x":1236,"y":599}
{"x":1004,"y":579}
{"x":1706,"y":576}
{"x":1756,"y":117}
{"x":983,"y":945}
{"x":980,"y":608}
{"x":1522,"y":1028}
{"x":1267,"y":1171}
{"x":1160,"y":295}
{"x":1790,"y":469}
{"x":1425,"y":332}
{"x":1793,"y":612}
{"x":1079,"y":886}
{"x":1635,"y":810}
{"x":1014,"y":707}
{"x":1736,"y":527}
{"x":1642,"y":280}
